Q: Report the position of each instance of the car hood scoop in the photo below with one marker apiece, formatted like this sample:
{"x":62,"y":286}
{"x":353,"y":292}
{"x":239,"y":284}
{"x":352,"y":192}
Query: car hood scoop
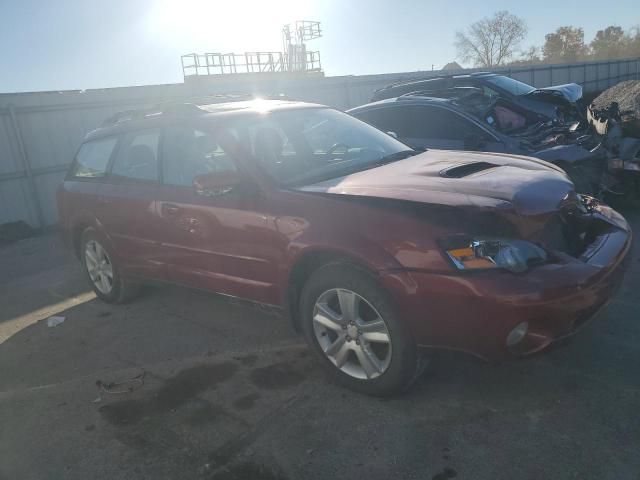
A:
{"x":466,"y":169}
{"x":493,"y":180}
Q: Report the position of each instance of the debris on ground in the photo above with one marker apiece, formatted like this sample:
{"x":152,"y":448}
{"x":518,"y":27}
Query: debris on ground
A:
{"x":625,"y":94}
{"x":13,"y":231}
{"x":615,"y":116}
{"x":620,"y":103}
{"x":126,"y":386}
{"x":54,"y":321}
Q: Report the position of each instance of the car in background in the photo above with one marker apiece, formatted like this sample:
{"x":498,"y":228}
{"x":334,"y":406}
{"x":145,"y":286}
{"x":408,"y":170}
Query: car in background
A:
{"x":560,"y":103}
{"x":374,"y":250}
{"x":467,"y":121}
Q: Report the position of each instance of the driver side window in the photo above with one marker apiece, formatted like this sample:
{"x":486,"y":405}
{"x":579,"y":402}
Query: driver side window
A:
{"x":189,"y":152}
{"x":271,"y":146}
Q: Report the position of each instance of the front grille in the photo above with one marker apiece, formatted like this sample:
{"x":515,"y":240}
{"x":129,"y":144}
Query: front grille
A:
{"x":572,"y":229}
{"x":553,"y":235}
{"x":574,"y":233}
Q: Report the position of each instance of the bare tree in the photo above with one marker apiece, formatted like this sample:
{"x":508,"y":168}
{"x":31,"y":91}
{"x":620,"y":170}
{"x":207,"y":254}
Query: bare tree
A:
{"x":491,"y":41}
{"x":531,"y":55}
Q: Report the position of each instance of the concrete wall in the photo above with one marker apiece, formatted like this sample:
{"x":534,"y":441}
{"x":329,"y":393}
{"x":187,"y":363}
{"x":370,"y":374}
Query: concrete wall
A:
{"x":40,"y":132}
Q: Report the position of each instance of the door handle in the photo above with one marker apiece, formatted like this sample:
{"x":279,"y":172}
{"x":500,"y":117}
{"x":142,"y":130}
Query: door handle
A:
{"x":170,"y":209}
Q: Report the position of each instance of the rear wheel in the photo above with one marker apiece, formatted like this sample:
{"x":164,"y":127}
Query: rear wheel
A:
{"x":351,"y":325}
{"x":102,"y":272}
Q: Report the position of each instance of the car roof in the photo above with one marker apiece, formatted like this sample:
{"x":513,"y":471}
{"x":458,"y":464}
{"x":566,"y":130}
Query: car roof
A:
{"x":457,"y":76}
{"x":406,"y":99}
{"x":123,"y":122}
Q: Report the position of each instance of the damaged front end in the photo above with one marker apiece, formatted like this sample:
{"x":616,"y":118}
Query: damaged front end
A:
{"x":615,"y":118}
{"x":571,"y":146}
{"x":577,"y":151}
{"x":561,"y":102}
{"x":620,"y":133}
{"x":582,"y":224}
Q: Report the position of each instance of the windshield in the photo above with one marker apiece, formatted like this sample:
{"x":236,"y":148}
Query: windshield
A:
{"x":312,"y":144}
{"x":512,"y":86}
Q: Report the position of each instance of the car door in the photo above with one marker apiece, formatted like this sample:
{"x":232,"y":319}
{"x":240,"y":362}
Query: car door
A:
{"x":127,"y":209}
{"x":222,"y":240}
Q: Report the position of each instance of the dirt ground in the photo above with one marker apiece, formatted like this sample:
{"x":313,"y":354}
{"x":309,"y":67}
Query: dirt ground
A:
{"x":181,"y":384}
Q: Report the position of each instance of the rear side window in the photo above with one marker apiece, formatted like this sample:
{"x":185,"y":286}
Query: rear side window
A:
{"x":93,"y":157}
{"x":387,"y":119}
{"x":137,"y":159}
{"x":425,"y":122}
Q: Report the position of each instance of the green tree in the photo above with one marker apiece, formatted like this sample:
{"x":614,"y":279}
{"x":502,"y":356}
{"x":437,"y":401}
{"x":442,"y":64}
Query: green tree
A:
{"x":609,"y":43}
{"x":632,"y":42}
{"x":566,"y":44}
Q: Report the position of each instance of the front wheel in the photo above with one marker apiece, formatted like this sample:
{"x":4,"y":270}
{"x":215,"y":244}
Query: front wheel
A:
{"x":102,"y":272}
{"x":351,"y":324}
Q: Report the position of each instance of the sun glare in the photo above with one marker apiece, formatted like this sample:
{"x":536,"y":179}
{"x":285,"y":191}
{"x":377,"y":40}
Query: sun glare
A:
{"x":238,"y":25}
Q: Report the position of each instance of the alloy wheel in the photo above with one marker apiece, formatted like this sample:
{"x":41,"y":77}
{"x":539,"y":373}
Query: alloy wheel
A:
{"x":352,"y":334}
{"x":99,"y":266}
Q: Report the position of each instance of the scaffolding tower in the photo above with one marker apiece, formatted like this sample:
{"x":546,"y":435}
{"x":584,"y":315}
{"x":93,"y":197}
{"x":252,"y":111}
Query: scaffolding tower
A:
{"x":294,"y":58}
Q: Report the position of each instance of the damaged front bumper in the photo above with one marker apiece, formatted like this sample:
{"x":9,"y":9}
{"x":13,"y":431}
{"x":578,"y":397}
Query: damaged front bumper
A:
{"x":477,"y":312}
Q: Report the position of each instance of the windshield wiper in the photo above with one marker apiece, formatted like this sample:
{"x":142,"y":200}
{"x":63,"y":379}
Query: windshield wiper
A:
{"x":394,"y":157}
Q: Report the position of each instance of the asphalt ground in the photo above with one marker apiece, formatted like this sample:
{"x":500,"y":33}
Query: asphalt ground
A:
{"x":182,"y":384}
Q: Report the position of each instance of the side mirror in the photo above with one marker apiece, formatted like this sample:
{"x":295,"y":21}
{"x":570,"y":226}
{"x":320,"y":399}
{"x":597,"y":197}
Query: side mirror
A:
{"x":474,"y":142}
{"x":216,"y":183}
{"x":392,"y":134}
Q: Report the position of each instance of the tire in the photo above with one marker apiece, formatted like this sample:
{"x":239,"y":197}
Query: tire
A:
{"x":397,"y":362}
{"x":106,"y":282}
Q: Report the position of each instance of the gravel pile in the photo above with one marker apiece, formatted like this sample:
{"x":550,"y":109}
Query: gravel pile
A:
{"x":627,"y":94}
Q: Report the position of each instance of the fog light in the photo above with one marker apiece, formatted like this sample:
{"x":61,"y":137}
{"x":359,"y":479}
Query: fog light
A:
{"x":517,"y":334}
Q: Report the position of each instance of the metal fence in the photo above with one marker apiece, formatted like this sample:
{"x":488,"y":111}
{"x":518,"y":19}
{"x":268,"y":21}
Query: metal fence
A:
{"x":40,"y":132}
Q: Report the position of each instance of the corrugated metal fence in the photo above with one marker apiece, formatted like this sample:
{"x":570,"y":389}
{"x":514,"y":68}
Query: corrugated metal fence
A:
{"x":40,"y":132}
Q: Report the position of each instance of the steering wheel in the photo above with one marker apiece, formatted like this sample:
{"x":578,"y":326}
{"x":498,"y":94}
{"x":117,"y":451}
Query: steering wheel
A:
{"x":335,"y":147}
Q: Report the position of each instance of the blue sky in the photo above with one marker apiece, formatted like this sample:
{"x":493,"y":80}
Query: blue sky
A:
{"x":76,"y":44}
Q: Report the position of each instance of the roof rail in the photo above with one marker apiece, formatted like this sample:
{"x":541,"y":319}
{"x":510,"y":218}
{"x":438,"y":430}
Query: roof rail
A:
{"x":190,"y":106}
{"x":442,"y":76}
{"x":162,"y":109}
{"x":237,"y":97}
{"x":449,"y":93}
{"x":421,"y":79}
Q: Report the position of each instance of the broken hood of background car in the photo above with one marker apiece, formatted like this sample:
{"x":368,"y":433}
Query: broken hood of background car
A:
{"x":527,"y":185}
{"x":571,"y":92}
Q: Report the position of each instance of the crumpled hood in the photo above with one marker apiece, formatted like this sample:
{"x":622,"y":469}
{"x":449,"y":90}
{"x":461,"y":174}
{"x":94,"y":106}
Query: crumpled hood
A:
{"x":528,"y":185}
{"x":571,"y":92}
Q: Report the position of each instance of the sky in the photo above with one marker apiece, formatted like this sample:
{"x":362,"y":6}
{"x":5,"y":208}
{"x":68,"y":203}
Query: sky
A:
{"x":81,"y":44}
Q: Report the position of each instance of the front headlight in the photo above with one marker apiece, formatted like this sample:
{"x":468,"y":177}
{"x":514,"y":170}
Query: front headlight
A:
{"x":490,"y":253}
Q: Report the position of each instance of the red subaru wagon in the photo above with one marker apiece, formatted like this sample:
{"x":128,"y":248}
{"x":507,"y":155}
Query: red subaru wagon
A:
{"x":374,"y":250}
